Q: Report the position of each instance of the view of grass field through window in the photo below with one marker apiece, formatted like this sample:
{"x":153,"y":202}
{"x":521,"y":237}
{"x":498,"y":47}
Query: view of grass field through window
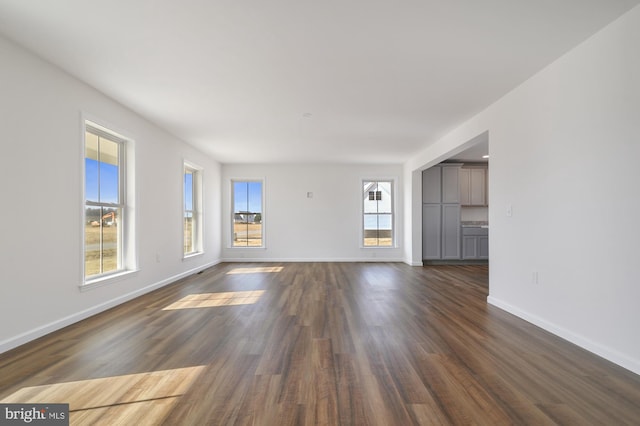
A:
{"x":103,"y":204}
{"x":247,"y":214}
{"x":101,"y":243}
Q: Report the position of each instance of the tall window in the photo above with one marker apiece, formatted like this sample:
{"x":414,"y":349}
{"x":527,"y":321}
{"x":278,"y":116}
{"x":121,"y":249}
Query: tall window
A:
{"x":377,"y":211}
{"x":192,"y":218}
{"x":248,"y":215}
{"x":104,"y":202}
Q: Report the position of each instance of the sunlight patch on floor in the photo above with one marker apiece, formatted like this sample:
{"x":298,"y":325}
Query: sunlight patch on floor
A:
{"x":210,"y":300}
{"x":117,"y":399}
{"x":256,"y":270}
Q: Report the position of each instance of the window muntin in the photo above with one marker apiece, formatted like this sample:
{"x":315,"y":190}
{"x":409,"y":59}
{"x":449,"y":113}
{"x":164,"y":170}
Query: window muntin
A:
{"x":192,"y":217}
{"x":104,"y":203}
{"x":377,"y":211}
{"x":248,"y":215}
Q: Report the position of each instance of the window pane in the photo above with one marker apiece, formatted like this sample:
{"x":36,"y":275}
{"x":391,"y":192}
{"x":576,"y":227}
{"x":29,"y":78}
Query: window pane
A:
{"x":240,"y":194}
{"x":110,"y":240}
{"x":247,"y":215}
{"x":92,"y":241}
{"x":255,"y":196}
{"x":384,"y":197}
{"x":378,"y":230}
{"x":102,"y":240}
{"x":370,"y":203}
{"x":91,"y":167}
{"x":108,"y":171}
{"x":189,"y":230}
{"x":188,"y":190}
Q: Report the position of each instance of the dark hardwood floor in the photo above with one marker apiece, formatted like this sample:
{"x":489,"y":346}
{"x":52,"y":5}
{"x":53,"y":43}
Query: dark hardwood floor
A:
{"x":319,"y":343}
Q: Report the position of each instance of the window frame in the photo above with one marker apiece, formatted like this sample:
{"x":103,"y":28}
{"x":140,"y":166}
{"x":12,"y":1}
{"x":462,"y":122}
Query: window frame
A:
{"x":232,"y":183}
{"x":196,"y":211}
{"x":363,"y":214}
{"x":127,"y":258}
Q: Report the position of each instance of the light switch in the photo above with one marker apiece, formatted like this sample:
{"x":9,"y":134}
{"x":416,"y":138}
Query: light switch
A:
{"x":509,"y":210}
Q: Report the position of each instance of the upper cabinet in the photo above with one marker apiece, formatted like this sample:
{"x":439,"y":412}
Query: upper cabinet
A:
{"x":440,"y":184}
{"x":473,"y":186}
{"x":450,"y":184}
{"x":432,"y":186}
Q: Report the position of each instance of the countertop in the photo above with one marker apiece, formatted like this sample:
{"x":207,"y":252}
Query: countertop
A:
{"x":475,"y":224}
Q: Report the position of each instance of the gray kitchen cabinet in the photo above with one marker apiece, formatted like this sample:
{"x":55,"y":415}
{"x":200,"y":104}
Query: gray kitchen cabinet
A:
{"x":464,"y":177}
{"x":473,"y":186}
{"x":431,"y":231}
{"x":432,"y":185}
{"x":451,"y":231}
{"x":450,"y":184}
{"x":469,"y":247}
{"x":483,"y":247}
{"x":475,"y":243}
{"x":478,"y":185}
{"x":441,"y":212}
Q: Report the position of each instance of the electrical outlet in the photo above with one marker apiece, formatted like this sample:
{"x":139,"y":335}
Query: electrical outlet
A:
{"x":509,"y":210}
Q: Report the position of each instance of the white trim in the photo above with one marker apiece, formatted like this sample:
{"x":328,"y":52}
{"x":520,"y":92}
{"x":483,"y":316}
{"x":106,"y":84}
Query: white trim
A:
{"x":101,"y":280}
{"x":605,"y":352}
{"x":394,"y":208}
{"x":314,"y":259}
{"x":128,"y":194}
{"x":198,"y":207}
{"x":231,"y":216}
{"x":37,"y":332}
{"x":192,"y":255}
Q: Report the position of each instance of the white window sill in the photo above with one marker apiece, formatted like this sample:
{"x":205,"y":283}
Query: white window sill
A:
{"x":192,"y":255}
{"x":247,"y":248}
{"x":378,"y":247}
{"x":108,"y":279}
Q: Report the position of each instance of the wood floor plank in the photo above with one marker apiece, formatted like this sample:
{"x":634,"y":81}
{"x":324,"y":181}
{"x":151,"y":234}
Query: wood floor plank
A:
{"x":318,"y":344}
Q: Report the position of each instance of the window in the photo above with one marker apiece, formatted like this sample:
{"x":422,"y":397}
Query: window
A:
{"x":192,"y":217}
{"x":248,"y":217}
{"x":104,"y":202}
{"x":377,"y":213}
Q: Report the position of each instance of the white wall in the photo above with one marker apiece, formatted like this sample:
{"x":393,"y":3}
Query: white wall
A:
{"x":474,"y":214}
{"x":323,"y":228}
{"x":41,"y":111}
{"x":564,"y":149}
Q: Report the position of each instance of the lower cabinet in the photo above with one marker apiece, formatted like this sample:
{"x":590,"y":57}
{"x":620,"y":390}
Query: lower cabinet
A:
{"x":475,"y":243}
{"x":451,"y":231}
{"x":440,"y":231}
{"x":431,"y":231}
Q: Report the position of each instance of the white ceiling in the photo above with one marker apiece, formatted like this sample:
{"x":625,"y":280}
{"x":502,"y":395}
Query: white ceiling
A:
{"x":300,"y":80}
{"x":475,"y":153}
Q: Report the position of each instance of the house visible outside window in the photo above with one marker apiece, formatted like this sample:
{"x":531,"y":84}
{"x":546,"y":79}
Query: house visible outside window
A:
{"x":377,"y":213}
{"x":248,"y":215}
{"x":192,"y":217}
{"x":105,"y":206}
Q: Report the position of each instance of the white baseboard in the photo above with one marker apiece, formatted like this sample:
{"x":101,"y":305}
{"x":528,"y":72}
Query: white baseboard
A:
{"x":605,"y":352}
{"x":311,"y":260}
{"x":35,"y":333}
